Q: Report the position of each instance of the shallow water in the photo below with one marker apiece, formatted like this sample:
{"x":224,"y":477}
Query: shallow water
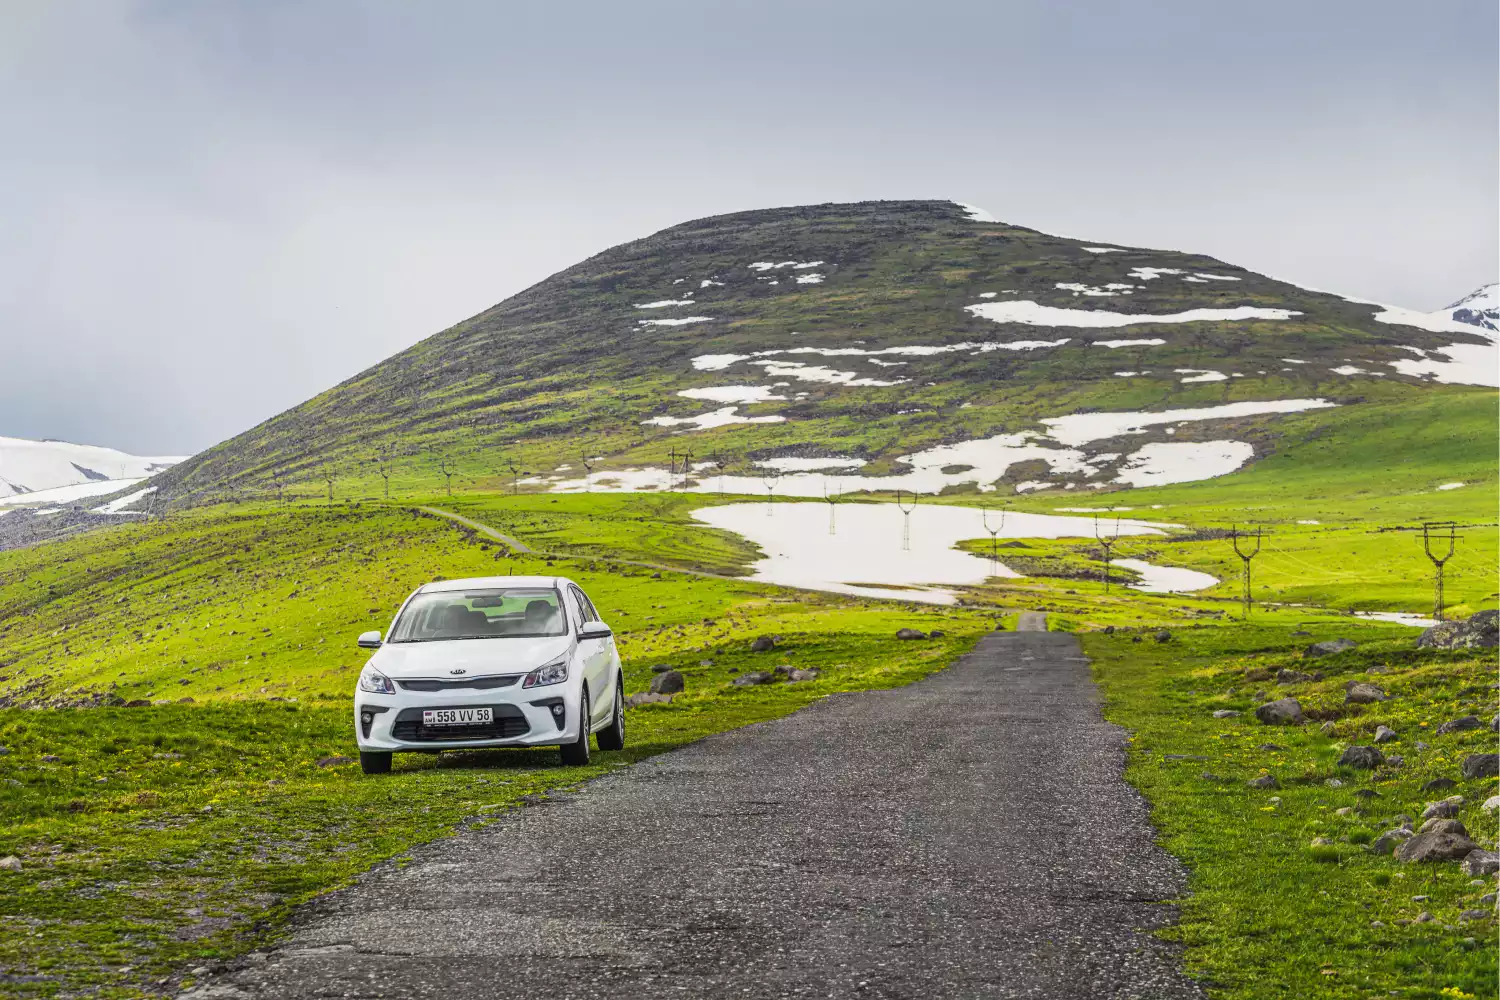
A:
{"x":865,"y":555}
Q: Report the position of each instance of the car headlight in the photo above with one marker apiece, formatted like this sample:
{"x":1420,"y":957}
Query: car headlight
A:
{"x":375,"y":682}
{"x":548,"y":673}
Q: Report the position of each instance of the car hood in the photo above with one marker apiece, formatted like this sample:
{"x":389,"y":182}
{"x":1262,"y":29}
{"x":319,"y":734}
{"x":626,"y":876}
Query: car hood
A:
{"x":475,"y":657}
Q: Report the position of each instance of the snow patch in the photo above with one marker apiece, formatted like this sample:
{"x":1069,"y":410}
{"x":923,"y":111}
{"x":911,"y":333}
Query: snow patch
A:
{"x":1200,"y":375}
{"x":974,"y":213}
{"x":663,"y":303}
{"x":1081,"y":428}
{"x":1146,"y":342}
{"x":732,"y":394}
{"x":1163,"y":463}
{"x":718,"y":418}
{"x":797,"y":463}
{"x":1166,"y":579}
{"x":1105,"y":250}
{"x":1034,"y":314}
{"x":684,"y":321}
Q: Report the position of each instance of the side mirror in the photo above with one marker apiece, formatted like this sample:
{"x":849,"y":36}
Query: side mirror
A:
{"x":369,"y":640}
{"x":595,"y":630}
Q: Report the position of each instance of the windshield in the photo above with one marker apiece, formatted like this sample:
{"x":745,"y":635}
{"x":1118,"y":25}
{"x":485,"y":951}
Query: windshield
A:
{"x":510,"y":612}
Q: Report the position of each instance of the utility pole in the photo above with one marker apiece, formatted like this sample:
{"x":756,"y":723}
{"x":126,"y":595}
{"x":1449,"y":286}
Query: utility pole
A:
{"x":906,"y":510}
{"x":1433,"y":531}
{"x":447,"y":468}
{"x":769,"y":475}
{"x":720,"y":463}
{"x":515,"y":474}
{"x":1109,"y":543}
{"x":984,"y":516}
{"x":833,"y":499}
{"x":687,"y":458}
{"x":588,"y":472}
{"x":384,"y":466}
{"x":329,"y":475}
{"x":1245,"y":557}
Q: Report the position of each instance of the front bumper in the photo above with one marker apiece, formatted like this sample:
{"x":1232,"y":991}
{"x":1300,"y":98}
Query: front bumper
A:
{"x":522,"y":717}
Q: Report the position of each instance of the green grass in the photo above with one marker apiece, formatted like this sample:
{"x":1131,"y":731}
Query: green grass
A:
{"x":1268,"y":915}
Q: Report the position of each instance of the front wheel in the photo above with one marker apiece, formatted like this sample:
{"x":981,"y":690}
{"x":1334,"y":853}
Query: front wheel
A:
{"x":375,"y":761}
{"x":612,"y":736}
{"x":576,"y":754}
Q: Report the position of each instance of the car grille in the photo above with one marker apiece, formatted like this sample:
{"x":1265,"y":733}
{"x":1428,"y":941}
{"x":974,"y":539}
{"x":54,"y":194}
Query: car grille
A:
{"x":509,"y":723}
{"x":467,"y":683}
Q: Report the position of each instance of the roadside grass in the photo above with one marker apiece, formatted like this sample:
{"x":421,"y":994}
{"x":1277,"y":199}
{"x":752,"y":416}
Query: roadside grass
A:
{"x":168,"y":836}
{"x":1268,"y":914}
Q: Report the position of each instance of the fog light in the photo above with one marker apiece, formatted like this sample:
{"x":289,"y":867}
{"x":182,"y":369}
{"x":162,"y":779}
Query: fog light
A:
{"x":557,"y":710}
{"x":367,"y":718}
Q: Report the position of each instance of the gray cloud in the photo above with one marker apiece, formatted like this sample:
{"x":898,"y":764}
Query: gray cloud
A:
{"x":215,"y":210}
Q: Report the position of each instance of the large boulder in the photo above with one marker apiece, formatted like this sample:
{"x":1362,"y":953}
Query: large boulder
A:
{"x":1363,"y":693}
{"x":1388,"y":841}
{"x":1439,"y":840}
{"x":1481,"y":631}
{"x":1385,"y":734}
{"x":647,"y":698}
{"x":1282,"y":712}
{"x":1479,"y":863}
{"x":762,"y":644}
{"x":1444,"y":809}
{"x":1462,"y":725}
{"x":668,"y":682}
{"x":753,"y":678}
{"x":1328,"y":647}
{"x":1288,"y":676}
{"x":1367,"y":758}
{"x":910,"y":633}
{"x":1480,"y":765}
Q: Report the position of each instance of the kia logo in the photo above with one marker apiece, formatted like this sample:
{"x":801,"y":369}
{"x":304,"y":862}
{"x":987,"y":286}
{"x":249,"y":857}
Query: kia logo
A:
{"x":459,"y":670}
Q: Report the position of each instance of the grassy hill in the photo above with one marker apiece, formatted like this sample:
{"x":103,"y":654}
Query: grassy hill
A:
{"x":571,"y":367}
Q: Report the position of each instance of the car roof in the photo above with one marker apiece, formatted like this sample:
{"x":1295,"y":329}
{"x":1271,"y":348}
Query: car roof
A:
{"x":492,"y":583}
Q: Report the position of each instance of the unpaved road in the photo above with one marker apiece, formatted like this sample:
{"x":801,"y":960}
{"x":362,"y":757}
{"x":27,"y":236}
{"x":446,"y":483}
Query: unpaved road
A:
{"x":966,"y":836}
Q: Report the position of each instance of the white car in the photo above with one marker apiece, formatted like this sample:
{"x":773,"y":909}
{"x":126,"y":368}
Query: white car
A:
{"x":496,"y":661}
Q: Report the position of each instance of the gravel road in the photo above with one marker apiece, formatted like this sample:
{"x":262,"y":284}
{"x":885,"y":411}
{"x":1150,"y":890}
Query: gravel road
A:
{"x":966,"y":836}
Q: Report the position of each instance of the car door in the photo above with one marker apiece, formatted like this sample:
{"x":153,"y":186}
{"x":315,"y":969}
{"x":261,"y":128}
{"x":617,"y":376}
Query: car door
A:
{"x":611,"y":651}
{"x":595,"y":654}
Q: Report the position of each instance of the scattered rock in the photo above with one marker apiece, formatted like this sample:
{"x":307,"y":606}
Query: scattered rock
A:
{"x":762,"y":644}
{"x":1438,"y":840}
{"x":648,"y":698}
{"x":1301,"y":631}
{"x":1366,"y":793}
{"x":1395,"y":760}
{"x":1419,"y":745}
{"x":1344,"y":811}
{"x":1467,"y":915}
{"x":1264,"y":781}
{"x":1328,"y":647}
{"x":1491,"y":804}
{"x":668,"y":682}
{"x":1481,"y":631}
{"x":1162,"y":635}
{"x":1488,"y":899}
{"x":910,"y":633}
{"x":1225,"y":713}
{"x":753,"y":677}
{"x":1285,"y":676}
{"x":935,"y":634}
{"x":1258,"y":674}
{"x":1321,"y":842}
{"x":1362,"y":693}
{"x":802,"y":675}
{"x":10,"y":863}
{"x":50,"y":758}
{"x":1388,"y":841}
{"x":1283,"y":712}
{"x":137,"y":703}
{"x":1480,"y":765}
{"x":1384,"y":734}
{"x":705,"y":663}
{"x":1423,"y":918}
{"x":1444,"y":809}
{"x":336,"y":761}
{"x":4,"y":751}
{"x":1183,"y":756}
{"x":1439,"y":785}
{"x":166,"y":756}
{"x":1333,"y":783}
{"x":1363,"y":757}
{"x":659,"y":668}
{"x":1109,"y":630}
{"x":1458,"y":725}
{"x":1270,"y":748}
{"x":1327,"y":729}
{"x":1479,"y":863}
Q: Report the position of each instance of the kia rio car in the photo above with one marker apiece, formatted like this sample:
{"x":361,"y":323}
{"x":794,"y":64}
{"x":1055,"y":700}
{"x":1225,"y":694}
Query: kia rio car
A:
{"x":500,"y":661}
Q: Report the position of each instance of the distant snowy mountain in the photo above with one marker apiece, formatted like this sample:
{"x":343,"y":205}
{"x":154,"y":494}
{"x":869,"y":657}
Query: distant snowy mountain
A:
{"x":1478,"y":308}
{"x":59,"y":471}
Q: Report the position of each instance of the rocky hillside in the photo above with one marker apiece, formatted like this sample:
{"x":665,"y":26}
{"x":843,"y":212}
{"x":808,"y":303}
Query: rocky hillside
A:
{"x":865,"y":331}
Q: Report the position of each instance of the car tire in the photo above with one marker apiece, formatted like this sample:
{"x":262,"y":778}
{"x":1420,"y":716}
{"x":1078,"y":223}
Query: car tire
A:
{"x":576,"y":754}
{"x":612,"y":736}
{"x":375,"y":761}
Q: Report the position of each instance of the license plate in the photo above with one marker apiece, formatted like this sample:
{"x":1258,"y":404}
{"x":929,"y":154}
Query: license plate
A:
{"x":457,"y":716}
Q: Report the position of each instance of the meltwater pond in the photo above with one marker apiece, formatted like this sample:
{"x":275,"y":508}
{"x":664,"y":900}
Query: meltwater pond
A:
{"x":864,"y":555}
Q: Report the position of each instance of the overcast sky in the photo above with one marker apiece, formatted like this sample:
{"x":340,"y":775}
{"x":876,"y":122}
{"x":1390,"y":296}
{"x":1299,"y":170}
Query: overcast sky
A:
{"x":210,"y":211}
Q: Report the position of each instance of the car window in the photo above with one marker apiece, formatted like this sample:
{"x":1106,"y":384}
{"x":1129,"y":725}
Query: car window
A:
{"x":512,"y":612}
{"x":589,"y":612}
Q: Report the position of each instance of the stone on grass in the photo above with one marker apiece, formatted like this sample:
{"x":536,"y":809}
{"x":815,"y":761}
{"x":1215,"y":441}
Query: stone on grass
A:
{"x":1385,"y":734}
{"x":1445,"y":809}
{"x":935,"y":634}
{"x":1363,"y":757}
{"x":1328,"y":647}
{"x":1438,"y":840}
{"x":335,"y":761}
{"x":802,"y":675}
{"x":1264,"y":781}
{"x":1362,"y":693}
{"x":1388,"y":841}
{"x":668,"y":682}
{"x":1328,"y":729}
{"x":647,"y":698}
{"x":1467,"y":915}
{"x":1333,"y":783}
{"x":1458,"y":725}
{"x":1480,"y":765}
{"x":910,"y":633}
{"x":1481,"y":631}
{"x":1282,"y":712}
{"x":1395,"y":760}
{"x":659,"y":668}
{"x":1270,"y":747}
{"x":1479,"y":863}
{"x":1225,"y":713}
{"x":1491,"y":804}
{"x":1439,"y":784}
{"x":1288,"y":676}
{"x":1162,"y":635}
{"x":762,"y":644}
{"x":10,"y":863}
{"x":753,"y":677}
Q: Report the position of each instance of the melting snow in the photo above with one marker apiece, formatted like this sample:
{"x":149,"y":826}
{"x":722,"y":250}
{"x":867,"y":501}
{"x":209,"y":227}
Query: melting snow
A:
{"x":663,"y":303}
{"x":1147,"y":342}
{"x":684,"y":321}
{"x":1200,"y":375}
{"x":809,"y":279}
{"x":1104,"y":250}
{"x":1166,"y":579}
{"x":1077,"y":288}
{"x":1034,"y":314}
{"x":975,"y":213}
{"x":1081,"y":428}
{"x":1463,"y":364}
{"x":732,"y":394}
{"x":117,"y":506}
{"x":1215,"y":277}
{"x":718,"y":418}
{"x":1152,"y":273}
{"x":1159,"y":464}
{"x":819,"y":373}
{"x":1451,"y":486}
{"x":68,"y":494}
{"x":1398,"y":617}
{"x":797,"y":463}
{"x":710,"y":283}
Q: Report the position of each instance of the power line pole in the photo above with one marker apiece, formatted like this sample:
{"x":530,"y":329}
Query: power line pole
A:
{"x":1433,"y":531}
{"x":833,"y":499}
{"x":1108,"y":544}
{"x":1234,"y":538}
{"x":769,"y":475}
{"x":906,"y":519}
